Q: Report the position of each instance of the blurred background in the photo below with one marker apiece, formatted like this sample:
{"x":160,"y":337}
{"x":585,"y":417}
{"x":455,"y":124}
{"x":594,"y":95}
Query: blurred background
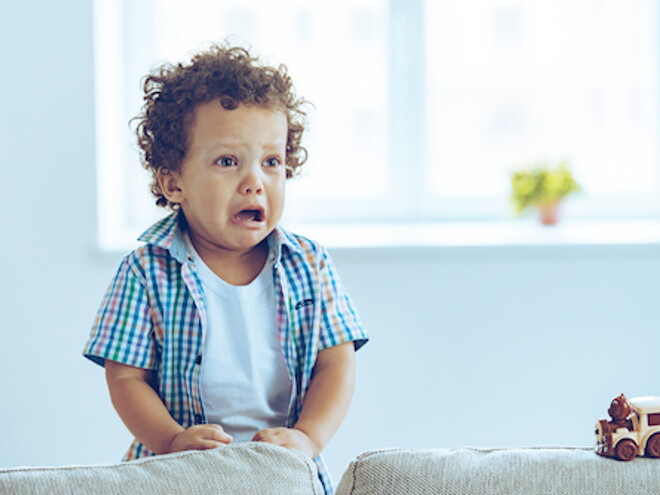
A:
{"x":487,"y":329}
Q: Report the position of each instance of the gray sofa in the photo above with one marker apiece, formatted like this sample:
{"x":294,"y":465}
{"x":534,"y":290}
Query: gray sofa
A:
{"x":530,"y":471}
{"x":253,"y":468}
{"x":257,"y":468}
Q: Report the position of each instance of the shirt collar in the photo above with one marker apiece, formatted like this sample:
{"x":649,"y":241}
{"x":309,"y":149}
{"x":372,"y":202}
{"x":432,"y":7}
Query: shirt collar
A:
{"x":167,"y":233}
{"x":280,"y":238}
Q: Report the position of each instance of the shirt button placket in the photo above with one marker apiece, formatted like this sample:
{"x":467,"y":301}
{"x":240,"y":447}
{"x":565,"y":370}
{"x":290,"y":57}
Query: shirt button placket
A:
{"x":198,"y":417}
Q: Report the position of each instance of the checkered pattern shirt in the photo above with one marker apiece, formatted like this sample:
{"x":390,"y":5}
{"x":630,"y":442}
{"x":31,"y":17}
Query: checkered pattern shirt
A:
{"x":153,"y":317}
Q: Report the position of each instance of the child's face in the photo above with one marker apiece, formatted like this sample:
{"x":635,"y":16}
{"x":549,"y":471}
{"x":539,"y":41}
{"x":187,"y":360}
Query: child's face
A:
{"x":231,"y":181}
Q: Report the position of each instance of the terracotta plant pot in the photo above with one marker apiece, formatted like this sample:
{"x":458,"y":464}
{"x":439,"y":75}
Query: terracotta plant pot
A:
{"x":549,"y":213}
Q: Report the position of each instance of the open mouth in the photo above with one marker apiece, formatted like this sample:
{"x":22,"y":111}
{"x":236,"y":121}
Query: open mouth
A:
{"x":249,"y":215}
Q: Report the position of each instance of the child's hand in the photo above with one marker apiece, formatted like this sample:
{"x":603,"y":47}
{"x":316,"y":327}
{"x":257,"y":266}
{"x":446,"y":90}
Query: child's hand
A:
{"x":289,"y":438}
{"x":200,"y":437}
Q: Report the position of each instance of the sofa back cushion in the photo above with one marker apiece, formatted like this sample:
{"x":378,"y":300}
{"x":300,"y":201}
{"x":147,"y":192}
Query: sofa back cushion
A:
{"x":249,"y":468}
{"x":471,"y":471}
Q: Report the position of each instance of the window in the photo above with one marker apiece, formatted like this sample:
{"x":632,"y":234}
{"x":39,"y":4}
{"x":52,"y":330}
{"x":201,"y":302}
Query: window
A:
{"x":512,"y":82}
{"x":422,"y":109}
{"x":654,"y":419}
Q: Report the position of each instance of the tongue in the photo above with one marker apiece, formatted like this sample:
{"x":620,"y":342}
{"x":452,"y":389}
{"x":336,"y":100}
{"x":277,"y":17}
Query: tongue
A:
{"x":246,"y":215}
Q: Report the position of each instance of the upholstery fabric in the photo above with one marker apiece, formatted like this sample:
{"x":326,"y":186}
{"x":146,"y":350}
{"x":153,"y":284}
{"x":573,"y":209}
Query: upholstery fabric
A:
{"x":249,"y":468}
{"x":528,"y":471}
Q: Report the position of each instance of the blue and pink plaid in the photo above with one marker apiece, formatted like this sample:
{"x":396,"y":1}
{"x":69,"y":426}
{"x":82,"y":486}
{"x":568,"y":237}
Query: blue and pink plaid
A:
{"x":153,"y":316}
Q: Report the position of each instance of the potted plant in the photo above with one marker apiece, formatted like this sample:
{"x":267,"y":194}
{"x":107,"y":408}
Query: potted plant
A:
{"x":543,"y":187}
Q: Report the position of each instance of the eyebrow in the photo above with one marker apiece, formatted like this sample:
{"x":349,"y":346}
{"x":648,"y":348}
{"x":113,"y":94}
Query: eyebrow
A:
{"x":245,"y":144}
{"x":222,"y":146}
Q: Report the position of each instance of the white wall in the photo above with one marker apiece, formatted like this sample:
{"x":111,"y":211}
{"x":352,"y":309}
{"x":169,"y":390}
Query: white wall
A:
{"x":473,"y":346}
{"x":488,"y":347}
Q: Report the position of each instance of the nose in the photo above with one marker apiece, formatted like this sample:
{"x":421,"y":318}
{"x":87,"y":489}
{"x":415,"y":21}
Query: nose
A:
{"x":252,"y":183}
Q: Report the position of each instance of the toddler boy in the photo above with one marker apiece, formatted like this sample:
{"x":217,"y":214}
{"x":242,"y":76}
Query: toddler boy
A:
{"x":224,"y":326}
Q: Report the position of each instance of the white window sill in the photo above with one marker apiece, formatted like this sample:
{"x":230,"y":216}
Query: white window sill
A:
{"x":518,"y":233}
{"x":517,"y":237}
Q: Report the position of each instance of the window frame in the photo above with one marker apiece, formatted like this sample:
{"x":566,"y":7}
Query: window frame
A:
{"x":406,"y":201}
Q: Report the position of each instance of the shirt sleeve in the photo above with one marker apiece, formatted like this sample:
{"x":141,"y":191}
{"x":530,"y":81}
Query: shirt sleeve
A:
{"x":122,"y":329}
{"x":340,"y":321}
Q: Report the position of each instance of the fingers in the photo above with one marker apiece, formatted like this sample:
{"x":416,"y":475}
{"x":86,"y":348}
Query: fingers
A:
{"x":216,"y":433}
{"x":203,"y":437}
{"x":200,"y":437}
{"x":277,"y":436}
{"x":264,"y":435}
{"x":286,"y":437}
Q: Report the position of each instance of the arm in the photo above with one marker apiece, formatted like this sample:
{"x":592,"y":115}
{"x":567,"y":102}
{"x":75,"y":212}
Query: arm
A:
{"x":325,"y":406}
{"x":144,"y":414}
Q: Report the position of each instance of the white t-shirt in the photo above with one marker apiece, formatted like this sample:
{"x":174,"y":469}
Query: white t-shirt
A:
{"x":245,"y":385}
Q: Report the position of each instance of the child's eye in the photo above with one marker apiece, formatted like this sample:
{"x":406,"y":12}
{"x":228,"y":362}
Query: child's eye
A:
{"x":226,"y":161}
{"x":272,"y":162}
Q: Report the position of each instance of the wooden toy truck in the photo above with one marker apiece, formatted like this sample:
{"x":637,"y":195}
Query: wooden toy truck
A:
{"x":633,"y":430}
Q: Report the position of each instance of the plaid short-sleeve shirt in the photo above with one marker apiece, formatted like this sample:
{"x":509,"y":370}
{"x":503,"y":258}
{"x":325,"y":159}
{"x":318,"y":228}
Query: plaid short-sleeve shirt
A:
{"x":153,"y":316}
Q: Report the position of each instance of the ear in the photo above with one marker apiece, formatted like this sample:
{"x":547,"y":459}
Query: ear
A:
{"x":169,"y":185}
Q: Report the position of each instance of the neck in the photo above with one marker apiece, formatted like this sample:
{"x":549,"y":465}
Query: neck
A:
{"x":236,"y":268}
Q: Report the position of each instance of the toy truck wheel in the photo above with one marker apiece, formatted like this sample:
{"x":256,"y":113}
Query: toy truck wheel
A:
{"x":653,"y":446}
{"x":626,"y":450}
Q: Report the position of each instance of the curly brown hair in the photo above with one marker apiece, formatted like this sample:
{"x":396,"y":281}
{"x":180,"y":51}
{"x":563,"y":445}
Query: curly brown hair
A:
{"x":230,"y":74}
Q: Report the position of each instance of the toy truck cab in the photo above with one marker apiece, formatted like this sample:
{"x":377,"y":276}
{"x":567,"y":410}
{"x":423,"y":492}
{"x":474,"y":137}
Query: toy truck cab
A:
{"x":633,"y":430}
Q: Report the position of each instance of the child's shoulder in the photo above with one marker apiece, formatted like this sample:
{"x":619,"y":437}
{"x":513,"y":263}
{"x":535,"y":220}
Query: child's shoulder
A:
{"x":148,"y":253}
{"x":148,"y":259}
{"x":300,"y":244}
{"x":163,"y":244}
